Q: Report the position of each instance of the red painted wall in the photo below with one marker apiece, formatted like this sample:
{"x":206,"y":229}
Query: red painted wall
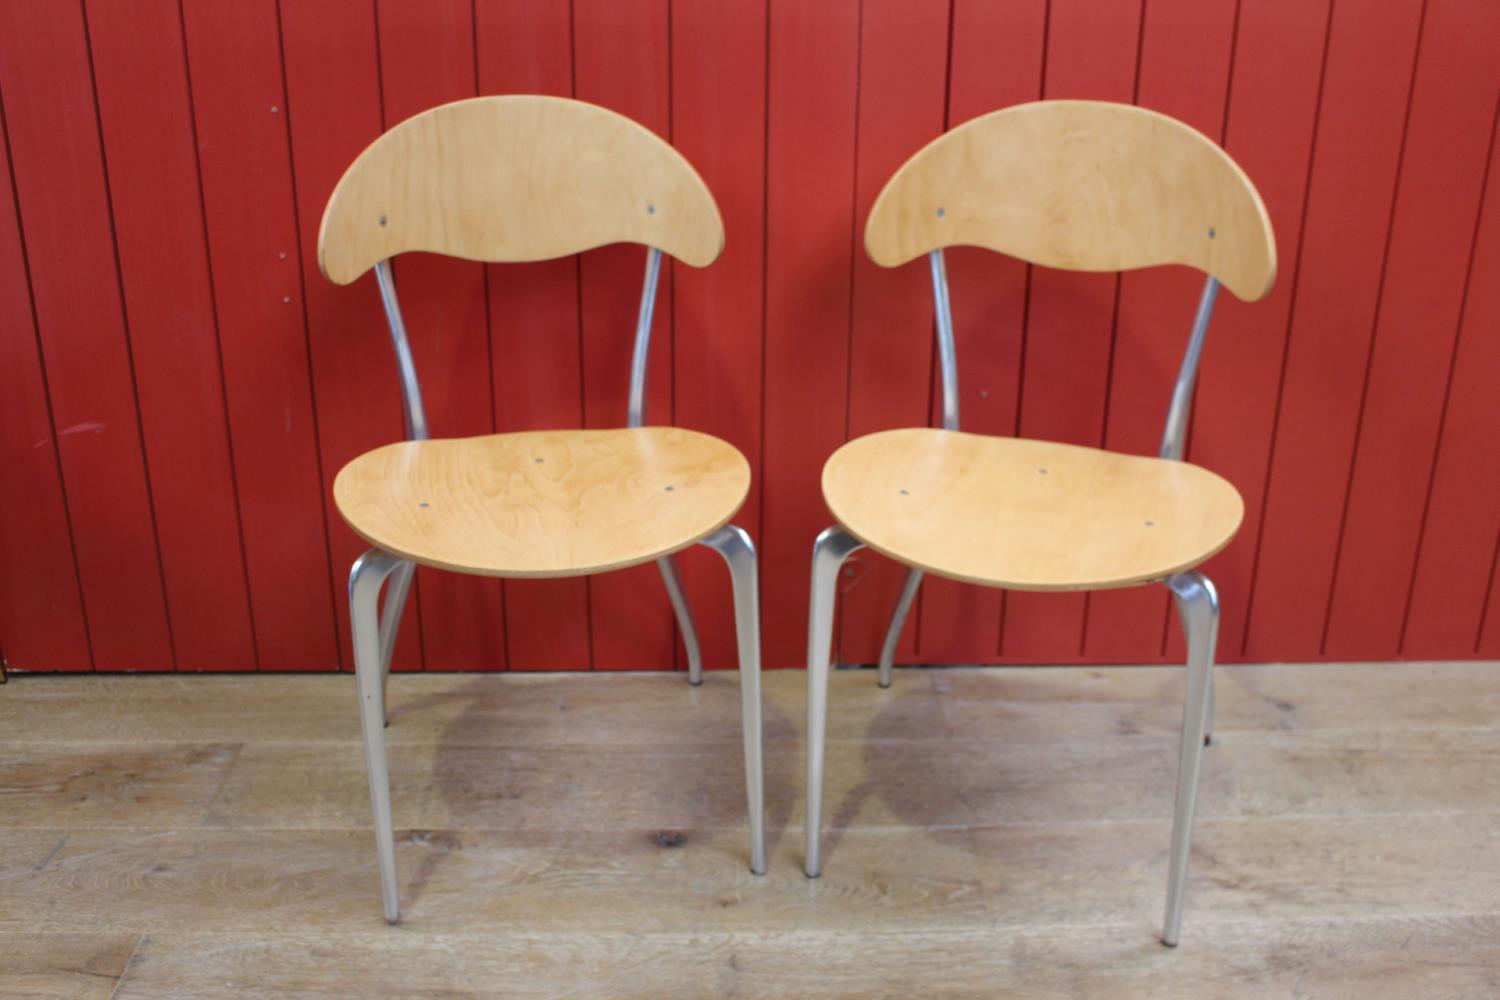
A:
{"x":178,"y":385}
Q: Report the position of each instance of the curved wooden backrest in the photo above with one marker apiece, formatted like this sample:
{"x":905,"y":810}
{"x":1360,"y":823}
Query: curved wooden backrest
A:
{"x":1082,"y":185}
{"x":515,"y":178}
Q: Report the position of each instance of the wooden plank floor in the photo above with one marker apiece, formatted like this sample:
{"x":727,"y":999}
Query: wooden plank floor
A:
{"x":997,"y":833}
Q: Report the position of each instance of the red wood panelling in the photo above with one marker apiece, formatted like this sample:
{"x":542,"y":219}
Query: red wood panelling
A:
{"x":1462,"y":519}
{"x":427,"y":57}
{"x":146,"y":121}
{"x":1432,"y":236}
{"x":987,"y":295}
{"x":1092,"y":48}
{"x":335,"y":105}
{"x":902,"y":90}
{"x":41,"y":609}
{"x":719,"y":123}
{"x":46,"y":81}
{"x":810,"y":232}
{"x":1156,"y":307}
{"x":181,"y":385}
{"x":1273,"y":100}
{"x":1361,"y":125}
{"x":527,"y":48}
{"x":244,"y":157}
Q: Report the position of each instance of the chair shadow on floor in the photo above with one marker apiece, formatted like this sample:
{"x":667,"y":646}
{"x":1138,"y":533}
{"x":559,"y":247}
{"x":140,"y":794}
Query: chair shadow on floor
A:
{"x":692,"y":779}
{"x":907,"y":773}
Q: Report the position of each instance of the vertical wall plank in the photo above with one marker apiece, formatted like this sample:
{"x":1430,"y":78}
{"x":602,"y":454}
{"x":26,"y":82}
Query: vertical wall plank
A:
{"x":334,"y":103}
{"x":1432,"y":236}
{"x":1361,"y":120}
{"x":57,"y":160}
{"x":244,"y":159}
{"x":427,"y":58}
{"x":1489,"y":627}
{"x":719,"y":124}
{"x":146,"y":122}
{"x":41,"y":610}
{"x":1091,"y":52}
{"x":902,"y":92}
{"x":960,"y":622}
{"x":527,"y":48}
{"x":810,"y":226}
{"x":1278,"y":64}
{"x":1459,"y":536}
{"x":1190,"y":83}
{"x":621,"y":62}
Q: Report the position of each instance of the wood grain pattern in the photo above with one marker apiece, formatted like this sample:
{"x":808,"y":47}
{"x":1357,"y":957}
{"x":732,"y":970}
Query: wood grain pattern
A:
{"x":516,"y":178}
{"x":1083,"y":186}
{"x":1091,"y":50}
{"x":1339,"y":958}
{"x":543,"y":503}
{"x":64,"y":966}
{"x":622,"y":58}
{"x":1027,"y":515}
{"x":998,"y":832}
{"x":535,"y":338}
{"x":902,"y":93}
{"x":988,"y":293}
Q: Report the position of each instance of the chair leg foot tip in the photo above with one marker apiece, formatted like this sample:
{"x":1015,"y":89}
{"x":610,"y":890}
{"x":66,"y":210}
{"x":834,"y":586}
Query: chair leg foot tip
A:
{"x":1207,"y":740}
{"x":1168,"y":944}
{"x":696,"y":683}
{"x":884,"y":684}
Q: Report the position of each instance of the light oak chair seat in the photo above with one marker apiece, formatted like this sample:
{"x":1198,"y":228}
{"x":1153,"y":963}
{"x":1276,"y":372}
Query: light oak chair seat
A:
{"x":544,"y":503}
{"x":1025,"y":514}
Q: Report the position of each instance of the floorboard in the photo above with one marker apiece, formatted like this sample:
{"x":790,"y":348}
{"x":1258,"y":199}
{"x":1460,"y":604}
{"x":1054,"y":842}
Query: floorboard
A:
{"x":992,"y":832}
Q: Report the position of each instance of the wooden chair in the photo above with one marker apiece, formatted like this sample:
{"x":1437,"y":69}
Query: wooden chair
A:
{"x":1086,"y":186}
{"x":520,"y":178}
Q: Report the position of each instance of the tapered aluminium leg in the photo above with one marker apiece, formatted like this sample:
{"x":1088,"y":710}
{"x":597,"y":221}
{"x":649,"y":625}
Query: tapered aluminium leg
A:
{"x":1198,"y":607}
{"x":738,"y":550}
{"x":365,"y":579}
{"x":898,"y":621}
{"x":1208,"y":715}
{"x":672,"y":577}
{"x":829,"y":552}
{"x":390,"y":624}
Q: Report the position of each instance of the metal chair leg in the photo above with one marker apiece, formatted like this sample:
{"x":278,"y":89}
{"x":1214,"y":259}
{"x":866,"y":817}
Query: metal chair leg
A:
{"x":365,"y":579}
{"x":1208,"y":715}
{"x":672,"y":577}
{"x":1198,"y":607}
{"x":390,"y":624}
{"x":829,"y":552}
{"x":738,"y":550}
{"x":898,"y":621}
